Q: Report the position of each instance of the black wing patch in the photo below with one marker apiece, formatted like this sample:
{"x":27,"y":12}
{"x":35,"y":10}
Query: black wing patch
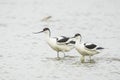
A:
{"x":64,"y":39}
{"x":90,"y":46}
{"x":72,"y":42}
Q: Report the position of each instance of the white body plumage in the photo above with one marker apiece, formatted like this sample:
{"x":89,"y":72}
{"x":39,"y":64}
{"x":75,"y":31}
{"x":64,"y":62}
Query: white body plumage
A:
{"x":86,"y":49}
{"x":80,"y":47}
{"x":59,"y":44}
{"x":59,"y":47}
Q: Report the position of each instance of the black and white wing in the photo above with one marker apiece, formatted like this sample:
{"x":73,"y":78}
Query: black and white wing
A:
{"x":65,"y":40}
{"x":62,"y":40}
{"x":71,"y":41}
{"x":90,"y":45}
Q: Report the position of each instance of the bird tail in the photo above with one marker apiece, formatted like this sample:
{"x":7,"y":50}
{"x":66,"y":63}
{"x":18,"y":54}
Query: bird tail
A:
{"x":99,"y":48}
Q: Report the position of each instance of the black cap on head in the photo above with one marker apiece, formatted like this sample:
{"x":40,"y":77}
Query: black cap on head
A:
{"x":45,"y":29}
{"x":77,"y":34}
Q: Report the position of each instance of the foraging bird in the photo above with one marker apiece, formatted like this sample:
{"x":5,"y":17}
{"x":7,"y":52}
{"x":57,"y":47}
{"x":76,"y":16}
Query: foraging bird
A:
{"x":59,"y":44}
{"x":86,"y":49}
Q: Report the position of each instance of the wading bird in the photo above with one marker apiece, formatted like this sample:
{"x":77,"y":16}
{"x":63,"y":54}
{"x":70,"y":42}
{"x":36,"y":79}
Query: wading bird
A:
{"x":86,"y":49}
{"x":59,"y":44}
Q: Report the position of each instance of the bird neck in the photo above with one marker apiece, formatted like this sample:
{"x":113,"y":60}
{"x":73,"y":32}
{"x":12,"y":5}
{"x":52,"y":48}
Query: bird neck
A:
{"x":78,"y":41}
{"x":47,"y":34}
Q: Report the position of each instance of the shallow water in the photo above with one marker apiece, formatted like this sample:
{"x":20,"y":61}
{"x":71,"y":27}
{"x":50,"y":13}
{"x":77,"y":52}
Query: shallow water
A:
{"x":26,"y":56}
